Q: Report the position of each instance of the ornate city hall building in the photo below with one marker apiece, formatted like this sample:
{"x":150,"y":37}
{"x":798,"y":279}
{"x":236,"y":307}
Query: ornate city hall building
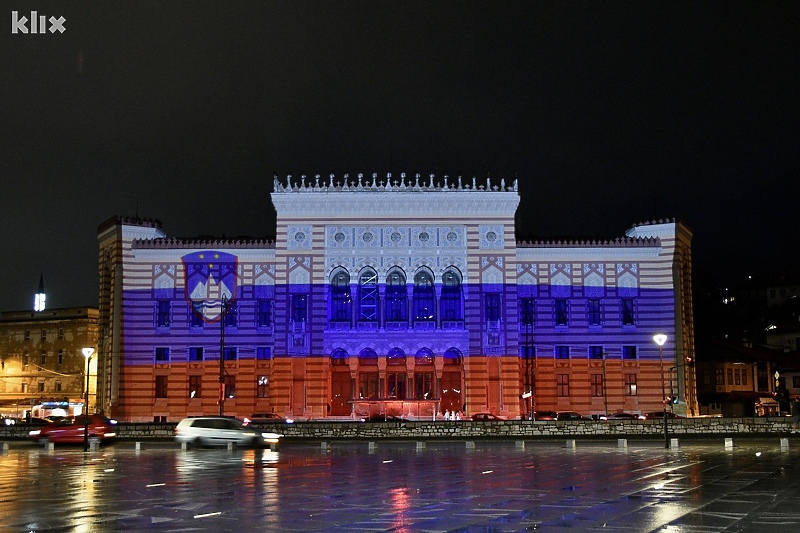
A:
{"x":394,"y":296}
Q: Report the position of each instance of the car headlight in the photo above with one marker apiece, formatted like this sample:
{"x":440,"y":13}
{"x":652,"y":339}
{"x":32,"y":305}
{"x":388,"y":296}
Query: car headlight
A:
{"x":248,"y":434}
{"x":34,"y":433}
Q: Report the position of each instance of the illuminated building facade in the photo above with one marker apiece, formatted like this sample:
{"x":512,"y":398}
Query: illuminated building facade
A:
{"x":42,"y":368}
{"x":402,"y":296}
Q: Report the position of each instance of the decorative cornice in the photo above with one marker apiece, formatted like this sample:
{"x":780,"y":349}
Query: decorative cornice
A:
{"x":359,"y":183}
{"x":621,"y":242}
{"x":174,"y":243}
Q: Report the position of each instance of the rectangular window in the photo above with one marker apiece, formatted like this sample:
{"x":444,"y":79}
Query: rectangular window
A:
{"x":42,"y":358}
{"x":299,"y":308}
{"x":492,"y":312}
{"x":597,"y":385}
{"x":744,"y":377}
{"x":627,"y":312}
{"x":264,"y":319}
{"x":196,"y":353}
{"x":595,"y":352}
{"x":161,"y":386}
{"x":61,"y":357}
{"x":730,"y":376}
{"x":263,"y":352}
{"x":163,"y":312}
{"x":526,"y":312}
{"x":562,"y":352}
{"x":195,"y":384}
{"x":58,"y":386}
{"x":44,"y":334}
{"x":232,"y":315}
{"x":27,"y":334}
{"x":61,"y":334}
{"x":629,"y":352}
{"x":630,"y":384}
{"x":24,"y":388}
{"x":795,"y":382}
{"x":41,"y":386}
{"x":230,"y":386}
{"x":423,"y":385}
{"x":737,"y":377}
{"x":231,"y":353}
{"x":561,"y":316}
{"x":593,"y":312}
{"x":196,"y":315}
{"x":25,"y":359}
{"x":368,"y":385}
{"x":262,"y":387}
{"x":720,"y":376}
{"x":162,"y":354}
{"x":562,"y":385}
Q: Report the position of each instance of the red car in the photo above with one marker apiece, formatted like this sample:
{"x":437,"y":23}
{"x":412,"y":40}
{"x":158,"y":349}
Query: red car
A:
{"x":485,"y":417}
{"x":71,"y":430}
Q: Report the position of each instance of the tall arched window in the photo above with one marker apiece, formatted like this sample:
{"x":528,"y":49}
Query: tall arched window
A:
{"x":396,"y":357}
{"x":340,"y":296}
{"x":424,"y":299}
{"x":368,"y":296}
{"x":452,"y":356}
{"x":339,"y":357}
{"x":452,"y":309}
{"x":396,"y":299}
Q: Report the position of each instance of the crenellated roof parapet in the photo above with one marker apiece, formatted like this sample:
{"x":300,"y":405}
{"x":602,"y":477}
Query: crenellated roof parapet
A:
{"x":177,"y":243}
{"x":621,"y":242}
{"x":362,"y":183}
{"x":121,"y":220}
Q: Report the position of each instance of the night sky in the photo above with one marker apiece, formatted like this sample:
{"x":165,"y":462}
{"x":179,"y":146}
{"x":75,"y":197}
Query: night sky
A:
{"x":609,"y":113}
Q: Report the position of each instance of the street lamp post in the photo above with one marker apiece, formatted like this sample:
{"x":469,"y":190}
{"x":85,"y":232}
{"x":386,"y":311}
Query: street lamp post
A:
{"x":660,"y":339}
{"x":87,"y":353}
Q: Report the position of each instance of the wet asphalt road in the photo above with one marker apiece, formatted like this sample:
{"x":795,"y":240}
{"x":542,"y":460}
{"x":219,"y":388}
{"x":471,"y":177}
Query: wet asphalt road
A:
{"x":495,"y":487}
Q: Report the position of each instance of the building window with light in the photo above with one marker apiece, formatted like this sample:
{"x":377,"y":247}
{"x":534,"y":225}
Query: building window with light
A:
{"x":562,"y":385}
{"x":720,"y":376}
{"x":162,"y":354}
{"x":597,"y":385}
{"x":161,"y":386}
{"x":41,"y":386}
{"x":262,"y":387}
{"x":561,"y":313}
{"x":42,"y":358}
{"x":744,"y":378}
{"x":44,"y":334}
{"x":25,"y":359}
{"x":27,"y":334}
{"x":195,"y":384}
{"x":628,"y":318}
{"x":232,"y":315}
{"x":452,"y":308}
{"x":730,"y":376}
{"x":424,"y":298}
{"x":61,"y":334}
{"x":58,"y":385}
{"x":630,"y":384}
{"x":163,"y":312}
{"x":396,"y":297}
{"x":60,"y":357}
{"x":341,"y":303}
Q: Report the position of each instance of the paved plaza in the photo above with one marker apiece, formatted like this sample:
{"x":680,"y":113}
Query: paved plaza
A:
{"x":497,"y":486}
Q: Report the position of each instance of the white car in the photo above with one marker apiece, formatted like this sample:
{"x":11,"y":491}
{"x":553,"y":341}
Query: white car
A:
{"x":219,"y":431}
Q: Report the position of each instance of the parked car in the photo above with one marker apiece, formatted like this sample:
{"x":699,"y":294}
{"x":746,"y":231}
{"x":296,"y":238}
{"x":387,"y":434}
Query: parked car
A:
{"x":545,"y":415}
{"x":620,"y":416}
{"x":219,"y":431}
{"x":381,"y":417}
{"x":72,"y":429}
{"x":485,"y":417}
{"x":257,"y":418}
{"x":571,"y":415}
{"x":659,"y":415}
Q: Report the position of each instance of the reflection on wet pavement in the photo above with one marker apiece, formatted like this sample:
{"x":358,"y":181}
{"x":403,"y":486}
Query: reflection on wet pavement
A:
{"x":495,"y":486}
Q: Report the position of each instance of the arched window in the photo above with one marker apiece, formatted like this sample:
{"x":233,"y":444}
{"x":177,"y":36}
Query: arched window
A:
{"x":396,"y":357}
{"x":368,"y":357}
{"x":424,"y":357}
{"x":368,"y":296}
{"x":339,"y":357}
{"x":424,"y":300}
{"x":340,"y":296}
{"x":452,"y":309}
{"x":396,"y":299}
{"x":453,"y":356}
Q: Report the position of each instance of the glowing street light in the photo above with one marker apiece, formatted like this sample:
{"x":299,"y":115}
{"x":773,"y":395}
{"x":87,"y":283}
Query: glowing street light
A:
{"x":87,"y":353}
{"x":660,"y":339}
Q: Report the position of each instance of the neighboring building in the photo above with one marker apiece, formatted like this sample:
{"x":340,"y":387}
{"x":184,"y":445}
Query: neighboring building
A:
{"x":406,"y":298}
{"x":41,"y":361}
